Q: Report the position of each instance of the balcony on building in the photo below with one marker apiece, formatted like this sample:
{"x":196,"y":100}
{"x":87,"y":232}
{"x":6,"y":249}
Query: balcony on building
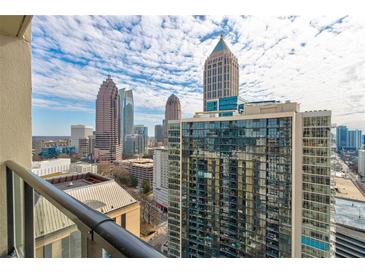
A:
{"x":40,"y":218}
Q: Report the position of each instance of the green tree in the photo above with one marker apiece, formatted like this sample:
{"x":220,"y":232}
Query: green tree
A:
{"x":133,"y":181}
{"x":146,"y":187}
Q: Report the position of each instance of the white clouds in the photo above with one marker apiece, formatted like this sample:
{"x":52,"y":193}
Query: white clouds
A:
{"x":318,"y":61}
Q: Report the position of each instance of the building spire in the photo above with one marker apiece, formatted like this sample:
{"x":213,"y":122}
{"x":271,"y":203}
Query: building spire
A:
{"x":222,"y":37}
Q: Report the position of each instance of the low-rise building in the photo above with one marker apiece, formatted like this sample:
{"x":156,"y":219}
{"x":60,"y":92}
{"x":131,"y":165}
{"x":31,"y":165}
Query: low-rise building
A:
{"x":350,"y":228}
{"x":82,"y":167}
{"x":350,"y":242}
{"x":57,"y":236}
{"x":142,"y":169}
{"x":53,"y":166}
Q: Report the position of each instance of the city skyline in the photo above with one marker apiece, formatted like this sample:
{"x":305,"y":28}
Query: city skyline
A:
{"x":278,"y":60}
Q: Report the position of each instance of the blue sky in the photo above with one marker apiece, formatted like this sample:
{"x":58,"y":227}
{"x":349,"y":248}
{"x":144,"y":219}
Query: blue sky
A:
{"x":318,"y":62}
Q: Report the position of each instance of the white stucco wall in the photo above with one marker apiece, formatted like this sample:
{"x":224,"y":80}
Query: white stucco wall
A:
{"x":15,"y":113}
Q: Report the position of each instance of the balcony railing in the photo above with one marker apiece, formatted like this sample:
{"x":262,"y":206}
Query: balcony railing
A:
{"x":97,"y":234}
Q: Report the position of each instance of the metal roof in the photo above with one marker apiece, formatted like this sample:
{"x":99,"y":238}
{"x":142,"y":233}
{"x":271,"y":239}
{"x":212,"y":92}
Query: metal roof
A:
{"x":104,"y":197}
{"x":350,"y":212}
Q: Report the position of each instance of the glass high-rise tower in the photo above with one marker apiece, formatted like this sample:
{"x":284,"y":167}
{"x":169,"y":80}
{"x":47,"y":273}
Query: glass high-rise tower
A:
{"x":250,"y":180}
{"x":127,"y":116}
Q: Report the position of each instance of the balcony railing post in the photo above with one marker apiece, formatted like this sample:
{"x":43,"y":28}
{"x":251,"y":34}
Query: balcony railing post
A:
{"x":89,"y":248}
{"x":10,"y":209}
{"x":28,"y":222}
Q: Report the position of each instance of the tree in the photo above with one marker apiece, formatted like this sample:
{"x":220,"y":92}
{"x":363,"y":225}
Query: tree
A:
{"x":133,"y":181}
{"x":104,"y":169}
{"x":146,"y":187}
{"x":121,"y":176}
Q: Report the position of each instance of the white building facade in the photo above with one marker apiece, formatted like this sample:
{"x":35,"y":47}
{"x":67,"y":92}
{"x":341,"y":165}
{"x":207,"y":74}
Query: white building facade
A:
{"x":361,"y":163}
{"x":160,"y":177}
{"x":81,"y":167}
{"x":80,"y":132}
{"x":43,"y":168}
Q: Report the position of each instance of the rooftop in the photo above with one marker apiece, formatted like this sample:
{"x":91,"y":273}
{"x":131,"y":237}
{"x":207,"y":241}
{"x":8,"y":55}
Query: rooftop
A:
{"x":104,"y":197}
{"x":350,"y":212}
{"x":355,"y":233}
{"x":77,"y":180}
{"x":138,"y":162}
{"x":345,"y":188}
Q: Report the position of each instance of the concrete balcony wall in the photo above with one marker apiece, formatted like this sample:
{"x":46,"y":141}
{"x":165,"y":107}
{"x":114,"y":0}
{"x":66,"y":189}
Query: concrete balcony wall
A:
{"x":15,"y":103}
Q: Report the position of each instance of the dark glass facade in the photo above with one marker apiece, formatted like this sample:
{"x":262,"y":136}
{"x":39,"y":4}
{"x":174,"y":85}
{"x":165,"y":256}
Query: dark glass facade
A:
{"x":174,"y":204}
{"x":236,"y":188}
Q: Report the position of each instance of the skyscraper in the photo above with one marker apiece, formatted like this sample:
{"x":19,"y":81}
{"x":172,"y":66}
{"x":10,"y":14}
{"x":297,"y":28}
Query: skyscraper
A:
{"x":252,"y":184}
{"x":107,"y":140}
{"x":174,"y":190}
{"x":126,"y":117}
{"x":79,"y":132}
{"x":341,"y":137}
{"x":142,"y":130}
{"x":159,"y":131}
{"x":221,"y":77}
{"x":249,"y":179}
{"x":354,"y":139}
{"x":160,"y":177}
{"x":128,"y":112}
{"x":172,"y":112}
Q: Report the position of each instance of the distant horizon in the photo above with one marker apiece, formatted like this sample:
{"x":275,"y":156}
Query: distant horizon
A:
{"x":318,"y":62}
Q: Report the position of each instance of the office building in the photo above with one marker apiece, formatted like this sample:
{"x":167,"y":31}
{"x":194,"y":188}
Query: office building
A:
{"x":51,"y":167}
{"x":84,"y":147}
{"x":141,"y":169}
{"x":56,"y":236}
{"x":354,"y":139}
{"x":92,"y":143}
{"x":134,"y":145}
{"x":159,"y":134}
{"x":160,"y":178}
{"x":142,"y":130}
{"x":221,"y":76}
{"x":255,"y":184}
{"x":126,"y":117}
{"x":172,"y":112}
{"x":107,"y":134}
{"x":79,"y":132}
{"x":361,"y":162}
{"x":341,"y":137}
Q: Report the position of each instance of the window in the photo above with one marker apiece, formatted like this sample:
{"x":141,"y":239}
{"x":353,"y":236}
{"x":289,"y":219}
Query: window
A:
{"x":123,"y":221}
{"x":47,"y":251}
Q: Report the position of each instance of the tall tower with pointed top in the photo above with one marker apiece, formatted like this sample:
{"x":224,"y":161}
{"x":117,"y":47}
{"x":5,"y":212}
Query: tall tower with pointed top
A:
{"x":221,"y":76}
{"x":172,"y":112}
{"x":107,"y":140}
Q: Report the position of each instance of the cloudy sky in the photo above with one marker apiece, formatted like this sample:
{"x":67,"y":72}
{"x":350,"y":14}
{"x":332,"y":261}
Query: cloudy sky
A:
{"x":318,"y":62}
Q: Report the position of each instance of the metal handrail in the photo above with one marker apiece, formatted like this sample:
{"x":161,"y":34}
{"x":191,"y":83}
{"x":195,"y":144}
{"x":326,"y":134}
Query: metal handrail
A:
{"x":120,"y":240}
